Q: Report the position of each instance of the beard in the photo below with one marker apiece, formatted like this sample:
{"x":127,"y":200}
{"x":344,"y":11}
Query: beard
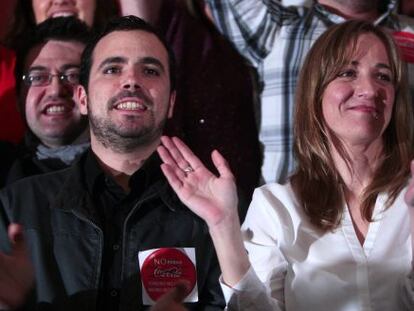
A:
{"x":124,"y":140}
{"x":133,"y":133}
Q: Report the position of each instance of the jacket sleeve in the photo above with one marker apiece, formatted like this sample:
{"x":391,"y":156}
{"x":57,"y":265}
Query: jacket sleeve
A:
{"x":251,"y":25}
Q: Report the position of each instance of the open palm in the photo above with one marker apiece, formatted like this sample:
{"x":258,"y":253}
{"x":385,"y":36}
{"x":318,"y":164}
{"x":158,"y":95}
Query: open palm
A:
{"x":211,"y":197}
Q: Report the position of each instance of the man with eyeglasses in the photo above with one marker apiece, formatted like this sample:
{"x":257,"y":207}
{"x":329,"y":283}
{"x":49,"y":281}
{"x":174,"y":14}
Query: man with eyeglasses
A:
{"x":47,"y":72}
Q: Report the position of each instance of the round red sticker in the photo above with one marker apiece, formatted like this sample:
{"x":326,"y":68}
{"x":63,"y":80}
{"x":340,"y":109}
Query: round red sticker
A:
{"x":163,"y":268}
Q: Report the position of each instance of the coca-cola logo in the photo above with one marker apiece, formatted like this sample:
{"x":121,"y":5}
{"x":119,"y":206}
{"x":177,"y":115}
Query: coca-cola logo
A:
{"x":173,"y":272}
{"x":163,"y":268}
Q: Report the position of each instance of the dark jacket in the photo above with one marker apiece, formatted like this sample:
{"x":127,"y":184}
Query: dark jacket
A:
{"x":7,"y":156}
{"x":27,"y":164}
{"x":66,"y":242}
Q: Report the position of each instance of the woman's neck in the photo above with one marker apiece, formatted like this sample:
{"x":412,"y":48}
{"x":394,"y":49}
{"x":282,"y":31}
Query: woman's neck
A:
{"x":358,"y":166}
{"x":357,"y":171}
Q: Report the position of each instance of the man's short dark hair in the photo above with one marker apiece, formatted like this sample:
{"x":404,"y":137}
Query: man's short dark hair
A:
{"x":59,"y":29}
{"x":124,"y":23}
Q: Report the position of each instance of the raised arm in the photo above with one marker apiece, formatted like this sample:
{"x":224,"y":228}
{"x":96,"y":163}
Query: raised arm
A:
{"x":214,"y":199}
{"x":211,"y":197}
{"x":251,"y":25}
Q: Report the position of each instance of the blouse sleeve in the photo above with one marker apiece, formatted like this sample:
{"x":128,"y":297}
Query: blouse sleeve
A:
{"x":262,"y":288}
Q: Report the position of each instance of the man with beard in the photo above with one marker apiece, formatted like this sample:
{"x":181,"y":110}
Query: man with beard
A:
{"x":99,"y":233}
{"x":47,"y":74}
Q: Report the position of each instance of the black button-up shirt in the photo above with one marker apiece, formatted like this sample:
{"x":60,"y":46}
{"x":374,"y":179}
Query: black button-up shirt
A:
{"x":112,"y":206}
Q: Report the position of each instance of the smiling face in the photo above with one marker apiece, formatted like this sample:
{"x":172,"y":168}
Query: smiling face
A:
{"x":129,"y":97}
{"x":357,"y":104}
{"x":82,"y":9}
{"x":50,"y":110}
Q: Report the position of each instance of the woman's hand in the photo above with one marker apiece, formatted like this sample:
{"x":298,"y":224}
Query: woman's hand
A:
{"x":212,"y":198}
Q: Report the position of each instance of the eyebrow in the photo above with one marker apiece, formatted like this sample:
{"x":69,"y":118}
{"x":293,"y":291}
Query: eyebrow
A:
{"x":378,"y":65}
{"x":147,"y":60}
{"x":69,"y":66}
{"x":63,"y":68}
{"x":152,"y":61}
{"x":40,"y":68}
{"x":112,"y":60}
{"x":381,"y":65}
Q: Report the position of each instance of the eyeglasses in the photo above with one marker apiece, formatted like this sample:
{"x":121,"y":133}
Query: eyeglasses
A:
{"x":45,"y":78}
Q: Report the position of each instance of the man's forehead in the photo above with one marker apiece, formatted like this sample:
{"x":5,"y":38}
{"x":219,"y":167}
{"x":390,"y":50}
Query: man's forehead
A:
{"x":130,"y":44}
{"x":54,"y":54}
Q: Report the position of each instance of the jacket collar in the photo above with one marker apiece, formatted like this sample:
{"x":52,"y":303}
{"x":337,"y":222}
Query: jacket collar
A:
{"x":75,"y":197}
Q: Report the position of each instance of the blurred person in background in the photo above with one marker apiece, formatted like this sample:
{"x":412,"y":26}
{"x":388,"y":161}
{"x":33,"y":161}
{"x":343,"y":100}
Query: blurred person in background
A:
{"x":18,"y":17}
{"x":47,"y":71}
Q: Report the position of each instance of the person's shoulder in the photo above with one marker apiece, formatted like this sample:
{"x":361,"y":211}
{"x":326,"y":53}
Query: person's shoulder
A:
{"x":29,"y":200}
{"x":41,"y":184}
{"x":276,"y":201}
{"x":283,"y":192}
{"x":272,"y":213}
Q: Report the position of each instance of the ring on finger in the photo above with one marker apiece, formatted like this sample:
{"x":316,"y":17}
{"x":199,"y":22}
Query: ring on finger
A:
{"x":188,"y":169}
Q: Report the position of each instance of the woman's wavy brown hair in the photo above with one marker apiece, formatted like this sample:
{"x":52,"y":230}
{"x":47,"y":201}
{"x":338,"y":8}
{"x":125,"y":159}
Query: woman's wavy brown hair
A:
{"x":316,"y":181}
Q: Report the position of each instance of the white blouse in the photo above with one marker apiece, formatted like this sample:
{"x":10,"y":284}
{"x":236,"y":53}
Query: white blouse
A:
{"x":296,"y":267}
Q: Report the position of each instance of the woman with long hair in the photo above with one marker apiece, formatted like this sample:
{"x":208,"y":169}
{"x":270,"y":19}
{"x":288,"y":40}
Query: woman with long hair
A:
{"x":337,"y":236}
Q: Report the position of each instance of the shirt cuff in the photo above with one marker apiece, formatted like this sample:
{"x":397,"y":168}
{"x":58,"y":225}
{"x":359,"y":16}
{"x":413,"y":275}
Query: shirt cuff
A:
{"x":249,"y":283}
